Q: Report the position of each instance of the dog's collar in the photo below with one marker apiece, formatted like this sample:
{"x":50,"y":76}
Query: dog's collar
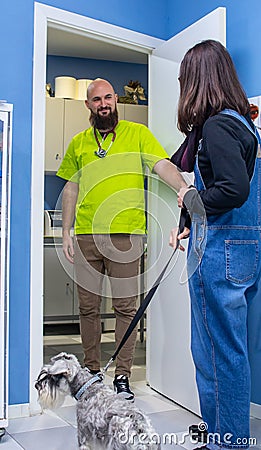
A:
{"x":85,"y":386}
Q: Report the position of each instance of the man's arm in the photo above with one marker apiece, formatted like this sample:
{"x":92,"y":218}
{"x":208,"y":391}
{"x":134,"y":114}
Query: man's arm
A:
{"x":170,"y":174}
{"x":70,"y":195}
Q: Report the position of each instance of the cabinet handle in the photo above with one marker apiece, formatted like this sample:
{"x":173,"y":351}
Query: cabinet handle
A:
{"x":69,"y":289}
{"x":57,"y":156}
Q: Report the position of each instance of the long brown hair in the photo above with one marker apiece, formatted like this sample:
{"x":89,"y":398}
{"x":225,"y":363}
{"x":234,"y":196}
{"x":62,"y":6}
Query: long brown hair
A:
{"x":208,"y":84}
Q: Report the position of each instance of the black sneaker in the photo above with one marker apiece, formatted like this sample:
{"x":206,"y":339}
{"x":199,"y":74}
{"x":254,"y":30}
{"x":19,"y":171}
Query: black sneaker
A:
{"x":121,"y":386}
{"x":94,"y":372}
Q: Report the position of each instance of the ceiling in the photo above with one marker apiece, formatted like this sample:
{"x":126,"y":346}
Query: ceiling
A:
{"x":61,"y":42}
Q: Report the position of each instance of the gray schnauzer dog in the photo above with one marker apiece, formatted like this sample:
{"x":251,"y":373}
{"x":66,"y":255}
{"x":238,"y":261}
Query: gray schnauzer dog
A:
{"x":105,"y":420}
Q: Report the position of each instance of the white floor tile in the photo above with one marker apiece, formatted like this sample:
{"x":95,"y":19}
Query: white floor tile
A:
{"x":69,"y":401}
{"x":150,"y":404}
{"x":255,"y":427}
{"x":59,"y":340}
{"x":39,"y":422}
{"x":68,"y":414}
{"x":52,"y":438}
{"x":106,"y":338}
{"x":8,"y":443}
{"x":175,"y":421}
{"x":142,"y":386}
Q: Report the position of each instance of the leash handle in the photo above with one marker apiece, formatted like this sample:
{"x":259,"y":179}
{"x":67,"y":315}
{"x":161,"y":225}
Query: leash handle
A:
{"x":148,"y":297}
{"x":182,"y":223}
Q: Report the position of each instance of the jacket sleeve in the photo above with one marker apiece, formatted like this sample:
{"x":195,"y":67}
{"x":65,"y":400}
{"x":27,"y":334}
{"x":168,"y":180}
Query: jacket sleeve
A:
{"x":225,"y":150}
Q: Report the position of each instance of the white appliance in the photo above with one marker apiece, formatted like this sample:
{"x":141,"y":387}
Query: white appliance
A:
{"x":53,"y":223}
{"x":170,"y":369}
{"x":5,"y":180}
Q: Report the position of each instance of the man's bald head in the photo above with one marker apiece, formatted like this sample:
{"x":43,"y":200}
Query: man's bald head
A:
{"x":101,"y":101}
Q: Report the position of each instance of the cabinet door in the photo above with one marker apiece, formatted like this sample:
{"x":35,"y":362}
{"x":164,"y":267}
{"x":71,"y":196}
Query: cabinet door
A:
{"x":75,"y":300}
{"x":76,"y":119}
{"x":136,"y":113}
{"x":121,"y":111}
{"x":54,"y":119}
{"x":58,"y":284}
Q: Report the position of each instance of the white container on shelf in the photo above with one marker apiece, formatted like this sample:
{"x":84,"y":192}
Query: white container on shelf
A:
{"x":81,"y":87}
{"x":65,"y":87}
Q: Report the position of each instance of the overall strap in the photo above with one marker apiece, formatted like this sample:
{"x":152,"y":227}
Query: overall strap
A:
{"x":231,"y":112}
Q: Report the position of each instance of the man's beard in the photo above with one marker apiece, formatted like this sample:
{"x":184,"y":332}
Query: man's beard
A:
{"x":104,"y":122}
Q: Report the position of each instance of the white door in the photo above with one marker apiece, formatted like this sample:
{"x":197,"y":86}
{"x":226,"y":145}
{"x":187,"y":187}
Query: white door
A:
{"x":5,"y":180}
{"x":170,"y":369}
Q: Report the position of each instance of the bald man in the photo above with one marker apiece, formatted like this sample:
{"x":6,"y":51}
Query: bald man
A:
{"x":104,"y":168}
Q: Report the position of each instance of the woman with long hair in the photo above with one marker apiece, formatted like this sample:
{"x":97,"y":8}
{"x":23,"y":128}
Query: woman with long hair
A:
{"x":224,"y":255}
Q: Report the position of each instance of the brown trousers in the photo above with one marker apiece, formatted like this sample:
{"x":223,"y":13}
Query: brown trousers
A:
{"x":118,"y":256}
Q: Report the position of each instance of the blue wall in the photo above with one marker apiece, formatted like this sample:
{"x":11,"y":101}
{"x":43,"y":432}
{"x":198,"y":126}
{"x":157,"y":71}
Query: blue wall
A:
{"x":16,"y":37}
{"x":159,"y":18}
{"x":147,"y":16}
{"x":118,"y":73}
{"x":243,"y":33}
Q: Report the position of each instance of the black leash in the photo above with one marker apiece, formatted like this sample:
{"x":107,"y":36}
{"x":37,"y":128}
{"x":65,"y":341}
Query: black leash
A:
{"x":148,"y":297}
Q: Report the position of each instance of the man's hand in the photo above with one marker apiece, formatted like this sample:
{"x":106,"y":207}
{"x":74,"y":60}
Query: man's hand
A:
{"x":181,"y":194}
{"x":174,"y":237}
{"x":68,"y":248}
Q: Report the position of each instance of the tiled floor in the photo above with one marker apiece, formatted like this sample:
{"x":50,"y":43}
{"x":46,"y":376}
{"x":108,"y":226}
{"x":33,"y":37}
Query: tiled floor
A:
{"x":57,"y":431}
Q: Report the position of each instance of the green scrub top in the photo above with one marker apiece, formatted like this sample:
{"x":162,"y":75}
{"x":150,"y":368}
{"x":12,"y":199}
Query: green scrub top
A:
{"x":111,"y":189}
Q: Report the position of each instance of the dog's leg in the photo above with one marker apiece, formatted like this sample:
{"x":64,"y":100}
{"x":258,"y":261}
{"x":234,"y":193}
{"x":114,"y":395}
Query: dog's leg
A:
{"x":83,"y":442}
{"x":83,"y":445}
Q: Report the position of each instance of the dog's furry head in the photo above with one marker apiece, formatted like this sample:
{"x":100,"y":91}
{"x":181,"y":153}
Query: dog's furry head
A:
{"x":52,"y":382}
{"x":104,"y":419}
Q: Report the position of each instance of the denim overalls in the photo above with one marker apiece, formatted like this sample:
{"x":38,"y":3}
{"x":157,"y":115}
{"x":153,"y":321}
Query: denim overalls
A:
{"x":221,"y":286}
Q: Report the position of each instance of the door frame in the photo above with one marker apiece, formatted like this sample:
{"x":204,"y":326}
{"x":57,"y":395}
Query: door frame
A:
{"x":168,"y":320}
{"x":45,"y":15}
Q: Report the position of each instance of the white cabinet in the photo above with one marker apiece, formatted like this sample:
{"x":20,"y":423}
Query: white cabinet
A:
{"x":59,"y":285}
{"x":65,"y":118}
{"x":136,"y":113}
{"x":76,"y":119}
{"x":54,"y":120}
{"x":133,"y":113}
{"x":121,"y":111}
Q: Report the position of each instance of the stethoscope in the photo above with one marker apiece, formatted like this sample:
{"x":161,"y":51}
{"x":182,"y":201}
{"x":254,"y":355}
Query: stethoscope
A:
{"x":101,"y":153}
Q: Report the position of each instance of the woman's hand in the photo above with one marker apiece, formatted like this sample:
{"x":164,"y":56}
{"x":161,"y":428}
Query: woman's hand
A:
{"x":174,"y":236}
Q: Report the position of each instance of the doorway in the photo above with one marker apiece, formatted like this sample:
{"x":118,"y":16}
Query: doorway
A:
{"x":46,"y":16}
